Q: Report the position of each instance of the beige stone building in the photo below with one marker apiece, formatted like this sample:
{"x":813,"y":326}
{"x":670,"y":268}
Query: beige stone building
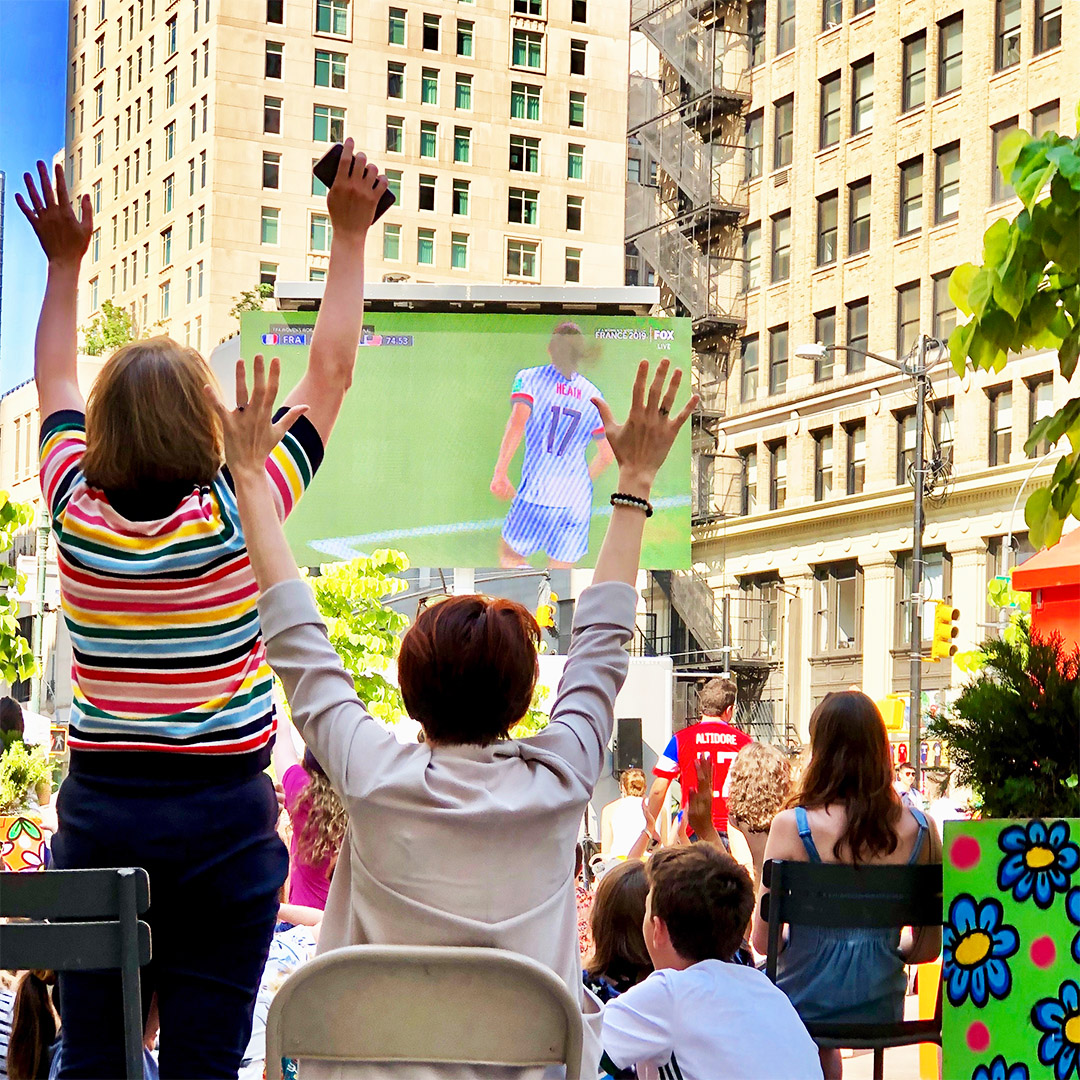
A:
{"x":193,"y":125}
{"x":871,"y":135}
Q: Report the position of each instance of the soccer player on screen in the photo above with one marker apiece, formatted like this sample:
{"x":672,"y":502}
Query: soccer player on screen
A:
{"x":552,"y":409}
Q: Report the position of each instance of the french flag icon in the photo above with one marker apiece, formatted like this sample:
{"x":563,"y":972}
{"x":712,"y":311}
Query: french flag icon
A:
{"x":269,"y":339}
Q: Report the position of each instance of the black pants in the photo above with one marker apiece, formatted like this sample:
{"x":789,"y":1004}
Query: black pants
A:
{"x":216,"y":866}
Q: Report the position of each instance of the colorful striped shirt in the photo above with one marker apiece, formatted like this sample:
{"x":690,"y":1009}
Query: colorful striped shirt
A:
{"x":167,"y":652}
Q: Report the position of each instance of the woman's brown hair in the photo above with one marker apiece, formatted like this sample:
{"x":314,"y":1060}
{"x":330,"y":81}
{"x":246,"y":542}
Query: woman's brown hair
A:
{"x":632,"y":783}
{"x":148,"y":419}
{"x":33,"y":1026}
{"x":467,"y":668}
{"x":850,"y":766}
{"x":758,"y":785}
{"x":324,"y":828}
{"x":618,"y":911}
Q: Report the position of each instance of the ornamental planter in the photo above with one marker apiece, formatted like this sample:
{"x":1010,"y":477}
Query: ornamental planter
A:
{"x":1011,"y":950}
{"x":22,"y":842}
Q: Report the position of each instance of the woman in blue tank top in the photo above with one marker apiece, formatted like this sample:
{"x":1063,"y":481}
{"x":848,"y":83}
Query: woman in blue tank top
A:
{"x":846,"y":811}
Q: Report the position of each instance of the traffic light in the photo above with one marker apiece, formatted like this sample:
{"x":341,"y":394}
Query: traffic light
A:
{"x":942,"y":645}
{"x":892,"y":711}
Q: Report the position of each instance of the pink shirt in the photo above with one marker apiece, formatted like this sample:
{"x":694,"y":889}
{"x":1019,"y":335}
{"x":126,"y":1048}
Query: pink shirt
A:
{"x":308,"y":885}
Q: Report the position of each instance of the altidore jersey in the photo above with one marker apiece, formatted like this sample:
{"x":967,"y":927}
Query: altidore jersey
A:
{"x":562,"y":423}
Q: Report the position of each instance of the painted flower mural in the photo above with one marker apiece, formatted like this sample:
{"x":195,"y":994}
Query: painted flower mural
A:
{"x":976,"y":944}
{"x":1039,"y":861}
{"x":1059,"y":1020}
{"x":1072,"y":909}
{"x":998,"y":1069}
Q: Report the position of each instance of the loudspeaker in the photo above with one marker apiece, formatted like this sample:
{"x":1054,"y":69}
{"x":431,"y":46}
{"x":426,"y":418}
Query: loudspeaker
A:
{"x":626,"y":751}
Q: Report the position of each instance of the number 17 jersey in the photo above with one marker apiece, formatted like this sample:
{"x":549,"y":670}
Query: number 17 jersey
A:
{"x":562,"y":423}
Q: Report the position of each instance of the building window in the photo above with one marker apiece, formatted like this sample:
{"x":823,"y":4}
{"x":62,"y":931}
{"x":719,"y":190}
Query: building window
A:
{"x":395,"y":80}
{"x":391,"y":244}
{"x":463,"y":91}
{"x":395,"y":134}
{"x":859,"y":6}
{"x":1000,"y":425}
{"x":271,"y":170}
{"x":427,"y":193}
{"x":1001,"y":560}
{"x":320,"y":233}
{"x":574,"y":212}
{"x":778,"y":359}
{"x":943,"y":431}
{"x":170,"y":88}
{"x":857,"y":336}
{"x":1040,"y":406}
{"x":862,"y":95}
{"x":573,"y":265}
{"x":396,"y":31}
{"x":1047,"y":25}
{"x":429,"y":135}
{"x":577,"y":109}
{"x":168,"y":191}
{"x":270,"y":221}
{"x":749,"y":480}
{"x":274,"y":50}
{"x":907,"y":317}
{"x":328,"y":124}
{"x":1044,"y":119}
{"x":95,"y":245}
{"x":170,"y":37}
{"x":275,"y":11}
{"x":837,"y":608}
{"x":521,"y":258}
{"x":751,"y":256}
{"x":272,"y":115}
{"x":332,"y":17}
{"x":777,"y":474}
{"x":393,"y":183}
{"x":93,"y":294}
{"x":170,"y":140}
{"x":755,"y":27}
{"x":755,"y":140}
{"x":855,"y":436}
{"x":459,"y":251}
{"x":429,"y":86}
{"x":832,"y":14}
{"x":749,"y":376}
{"x":859,"y":217}
{"x":529,"y":7}
{"x":523,"y":206}
{"x":166,"y":248}
{"x":425,"y":247}
{"x":579,"y":11}
{"x":575,"y":162}
{"x":164,"y":290}
{"x":527,"y":49}
{"x":914,"y":89}
{"x":462,"y":145}
{"x":1007,"y":34}
{"x":783,"y":125}
{"x":459,"y":200}
{"x":464,"y":38}
{"x":781,"y":247}
{"x":905,"y":447}
{"x":330,"y":69}
{"x":267,"y":273}
{"x":829,"y":130}
{"x":937,"y":586}
{"x":97,"y":196}
{"x":825,"y":334}
{"x":823,"y":464}
{"x":577,"y":57}
{"x":911,"y":192}
{"x":944,"y":308}
{"x":99,"y":148}
{"x":785,"y":25}
{"x":1000,"y":190}
{"x":524,"y":101}
{"x":827,"y":228}
{"x":950,"y":54}
{"x":947,"y":183}
{"x":524,"y":154}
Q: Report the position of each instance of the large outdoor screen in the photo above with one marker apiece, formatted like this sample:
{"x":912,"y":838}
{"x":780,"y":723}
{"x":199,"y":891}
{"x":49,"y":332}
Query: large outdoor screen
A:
{"x":470,"y":440}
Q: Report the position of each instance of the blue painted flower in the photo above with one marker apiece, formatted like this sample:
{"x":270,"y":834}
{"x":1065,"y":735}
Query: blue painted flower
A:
{"x":1037,"y":860}
{"x":974,"y":946}
{"x":1059,"y":1019}
{"x":998,"y":1070}
{"x":1072,"y":909}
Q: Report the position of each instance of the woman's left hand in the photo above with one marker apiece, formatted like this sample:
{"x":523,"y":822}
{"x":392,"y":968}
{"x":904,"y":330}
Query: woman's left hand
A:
{"x":249,"y":431}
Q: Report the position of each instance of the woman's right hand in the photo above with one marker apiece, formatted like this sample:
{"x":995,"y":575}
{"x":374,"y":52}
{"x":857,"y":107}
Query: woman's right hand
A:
{"x":63,"y":236}
{"x":642,"y":443}
{"x":355,"y":194}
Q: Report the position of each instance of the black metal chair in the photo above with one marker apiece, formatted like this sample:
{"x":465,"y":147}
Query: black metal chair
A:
{"x":82,"y":920}
{"x":839,"y":896}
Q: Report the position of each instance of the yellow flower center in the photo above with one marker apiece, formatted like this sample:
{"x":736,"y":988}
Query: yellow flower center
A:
{"x":972,"y":949}
{"x":1072,"y":1029}
{"x":1038,"y":858}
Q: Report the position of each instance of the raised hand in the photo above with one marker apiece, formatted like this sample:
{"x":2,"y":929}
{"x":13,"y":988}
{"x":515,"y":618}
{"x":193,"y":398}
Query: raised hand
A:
{"x":355,"y":194}
{"x":642,"y":443}
{"x":249,"y":431}
{"x":699,"y":802}
{"x":63,"y":236}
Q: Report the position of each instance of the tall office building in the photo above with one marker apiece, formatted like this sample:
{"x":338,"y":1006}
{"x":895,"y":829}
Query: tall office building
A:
{"x":194,"y":124}
{"x":872,"y":131}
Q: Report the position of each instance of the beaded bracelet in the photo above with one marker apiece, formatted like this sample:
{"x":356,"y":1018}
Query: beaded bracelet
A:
{"x":620,"y":498}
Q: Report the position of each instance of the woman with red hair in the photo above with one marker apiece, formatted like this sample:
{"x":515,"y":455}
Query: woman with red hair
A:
{"x":467,"y":838}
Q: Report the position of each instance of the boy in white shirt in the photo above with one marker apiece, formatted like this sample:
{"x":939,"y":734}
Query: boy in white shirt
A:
{"x":697,"y":1016}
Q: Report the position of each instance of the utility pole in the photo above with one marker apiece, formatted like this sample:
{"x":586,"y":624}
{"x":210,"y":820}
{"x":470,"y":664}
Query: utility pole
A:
{"x":915,"y":718}
{"x":42,"y":551}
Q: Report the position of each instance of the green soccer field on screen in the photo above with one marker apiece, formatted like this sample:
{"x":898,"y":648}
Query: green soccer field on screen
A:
{"x":470,"y":439}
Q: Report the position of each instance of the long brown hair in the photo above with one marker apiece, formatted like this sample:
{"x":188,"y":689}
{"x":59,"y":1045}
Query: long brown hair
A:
{"x":850,"y":766}
{"x":618,"y":911}
{"x":33,"y":1026}
{"x":324,"y":829}
{"x":148,"y":419}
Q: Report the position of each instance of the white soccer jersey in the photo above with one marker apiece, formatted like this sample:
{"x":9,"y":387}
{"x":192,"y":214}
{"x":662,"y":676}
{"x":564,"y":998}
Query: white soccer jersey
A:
{"x":562,"y":423}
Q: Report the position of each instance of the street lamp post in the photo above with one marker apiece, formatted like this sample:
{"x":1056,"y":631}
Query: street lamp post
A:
{"x":918,"y":372}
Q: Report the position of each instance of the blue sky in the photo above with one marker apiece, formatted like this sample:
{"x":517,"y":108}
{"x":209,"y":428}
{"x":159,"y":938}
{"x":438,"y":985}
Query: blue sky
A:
{"x":33,"y":60}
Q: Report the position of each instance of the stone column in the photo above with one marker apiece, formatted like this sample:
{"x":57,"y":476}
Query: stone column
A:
{"x":878,"y":621}
{"x":798,"y":645}
{"x":969,"y":589}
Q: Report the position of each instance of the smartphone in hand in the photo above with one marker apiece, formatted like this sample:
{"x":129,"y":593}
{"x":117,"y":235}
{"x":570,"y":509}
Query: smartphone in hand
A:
{"x":326,"y":168}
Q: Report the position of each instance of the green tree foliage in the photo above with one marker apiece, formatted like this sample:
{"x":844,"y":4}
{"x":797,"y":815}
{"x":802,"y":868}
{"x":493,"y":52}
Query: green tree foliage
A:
{"x":16,"y":657}
{"x":1014,"y":732}
{"x":536,"y":719}
{"x":22,"y":769}
{"x":1026,"y":295}
{"x":251,"y":300}
{"x":109,"y":330}
{"x":362,"y":628}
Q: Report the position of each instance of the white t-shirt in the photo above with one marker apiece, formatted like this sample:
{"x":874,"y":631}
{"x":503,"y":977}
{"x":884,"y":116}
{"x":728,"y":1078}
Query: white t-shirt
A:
{"x":627,"y":820}
{"x":711,"y":1020}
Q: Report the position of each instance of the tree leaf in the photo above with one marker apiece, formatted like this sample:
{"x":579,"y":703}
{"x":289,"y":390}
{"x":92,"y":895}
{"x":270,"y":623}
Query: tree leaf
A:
{"x":1036,"y":511}
{"x":960,"y":282}
{"x":1069,"y":351}
{"x":1009,"y":151}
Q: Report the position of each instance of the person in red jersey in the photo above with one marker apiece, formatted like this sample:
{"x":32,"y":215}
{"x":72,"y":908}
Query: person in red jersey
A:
{"x":714,"y":735}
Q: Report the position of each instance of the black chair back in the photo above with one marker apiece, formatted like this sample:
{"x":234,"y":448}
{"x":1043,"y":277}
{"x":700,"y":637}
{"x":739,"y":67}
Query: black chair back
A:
{"x":82,"y":920}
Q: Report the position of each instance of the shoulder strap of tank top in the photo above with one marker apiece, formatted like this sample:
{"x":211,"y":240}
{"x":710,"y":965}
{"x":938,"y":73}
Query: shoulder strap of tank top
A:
{"x":803,"y":823}
{"x":920,"y":817}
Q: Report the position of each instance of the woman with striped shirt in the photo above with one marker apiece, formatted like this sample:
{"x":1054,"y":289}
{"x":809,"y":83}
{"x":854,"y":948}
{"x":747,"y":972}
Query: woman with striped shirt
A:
{"x":172,"y":718}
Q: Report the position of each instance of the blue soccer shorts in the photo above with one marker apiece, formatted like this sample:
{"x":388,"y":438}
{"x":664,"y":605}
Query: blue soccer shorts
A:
{"x":561,"y":532}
